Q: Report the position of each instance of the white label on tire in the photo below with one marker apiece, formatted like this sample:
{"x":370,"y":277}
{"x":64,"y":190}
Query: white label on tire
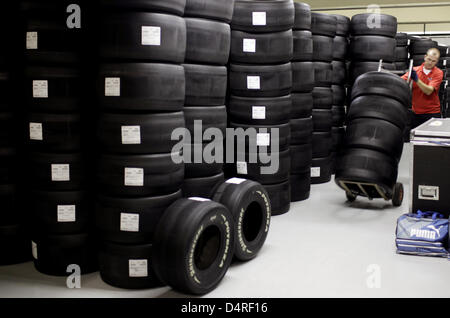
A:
{"x":259,"y":18}
{"x":36,"y":131}
{"x":263,"y":140}
{"x":40,"y":89}
{"x":258,"y":112}
{"x":138,"y":267}
{"x":151,"y":35}
{"x":241,"y":168}
{"x":32,"y":40}
{"x":131,"y":135}
{"x":253,"y":82}
{"x":60,"y":172}
{"x":249,"y":45}
{"x":134,"y":177}
{"x":315,"y":172}
{"x":198,"y":199}
{"x":129,"y":222}
{"x":34,"y":250}
{"x":235,"y":180}
{"x":112,"y":86}
{"x":445,"y":62}
{"x":66,"y":213}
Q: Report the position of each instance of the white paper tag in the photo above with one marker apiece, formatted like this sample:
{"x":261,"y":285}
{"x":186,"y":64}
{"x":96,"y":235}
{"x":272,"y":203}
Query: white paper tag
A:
{"x":253,"y":82}
{"x":249,"y":45}
{"x":129,"y":222}
{"x":258,"y":112}
{"x":34,"y":250}
{"x":60,"y":172}
{"x":134,"y":177}
{"x":241,"y":168}
{"x":32,"y":40}
{"x":445,"y":62}
{"x":315,"y":172}
{"x":112,"y":86}
{"x":40,"y":89}
{"x":66,"y":213}
{"x":198,"y":199}
{"x":36,"y":131}
{"x":131,"y":135}
{"x":151,"y":35}
{"x":138,"y":267}
{"x":235,"y":180}
{"x":263,"y":140}
{"x":259,"y":18}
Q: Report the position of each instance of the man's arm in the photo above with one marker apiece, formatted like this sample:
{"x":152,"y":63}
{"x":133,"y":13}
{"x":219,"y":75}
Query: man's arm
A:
{"x":428,"y":90}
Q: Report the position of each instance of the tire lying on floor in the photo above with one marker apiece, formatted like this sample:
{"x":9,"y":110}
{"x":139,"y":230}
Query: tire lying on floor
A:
{"x":250,"y":206}
{"x":196,"y":259}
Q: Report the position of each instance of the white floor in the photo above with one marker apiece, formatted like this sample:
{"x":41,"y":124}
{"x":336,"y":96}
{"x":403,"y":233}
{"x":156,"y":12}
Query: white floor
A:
{"x":323,"y":247}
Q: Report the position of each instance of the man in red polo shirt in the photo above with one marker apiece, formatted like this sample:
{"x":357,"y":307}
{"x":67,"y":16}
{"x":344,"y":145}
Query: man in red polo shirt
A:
{"x":427,"y":81}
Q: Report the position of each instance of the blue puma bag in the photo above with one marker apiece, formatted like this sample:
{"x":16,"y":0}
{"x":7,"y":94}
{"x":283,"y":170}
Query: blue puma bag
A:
{"x":423,"y":234}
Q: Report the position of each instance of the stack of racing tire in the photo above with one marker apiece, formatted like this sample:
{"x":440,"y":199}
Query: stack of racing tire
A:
{"x":260,"y":103}
{"x":444,"y":65}
{"x":419,"y":47}
{"x":207,"y":54}
{"x":339,"y":87}
{"x":302,"y":105}
{"x":323,"y":28}
{"x":59,"y":192}
{"x":140,"y":94}
{"x":372,"y":40}
{"x":374,"y":137}
{"x":14,"y":237}
{"x":401,"y":52}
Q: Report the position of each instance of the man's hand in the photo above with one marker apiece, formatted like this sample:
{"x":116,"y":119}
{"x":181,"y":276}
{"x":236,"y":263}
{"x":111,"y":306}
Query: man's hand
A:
{"x":414,"y":76}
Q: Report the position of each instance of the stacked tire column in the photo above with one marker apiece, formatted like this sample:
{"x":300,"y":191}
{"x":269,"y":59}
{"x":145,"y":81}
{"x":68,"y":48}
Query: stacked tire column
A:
{"x":323,"y":27}
{"x":60,"y":206}
{"x":401,"y":52}
{"x":14,"y":237}
{"x":339,"y":81}
{"x":444,"y":65}
{"x":369,"y":44}
{"x":260,"y":87}
{"x":140,"y":97}
{"x":302,"y":104}
{"x":207,"y":54}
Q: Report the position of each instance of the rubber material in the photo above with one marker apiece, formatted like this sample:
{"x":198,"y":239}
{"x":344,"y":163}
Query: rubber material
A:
{"x":250,"y":206}
{"x":205,"y":85}
{"x":170,"y":6}
{"x":142,"y":87}
{"x":11,"y":205}
{"x":323,"y":24}
{"x":269,"y":48}
{"x":221,"y":10}
{"x":274,"y":80}
{"x":210,"y":117}
{"x":197,"y":165}
{"x":118,"y":262}
{"x":208,"y":42}
{"x":383,"y":84}
{"x":114,"y":216}
{"x":323,"y":74}
{"x":203,"y":187}
{"x":322,"y":48}
{"x":302,"y":105}
{"x":322,"y":120}
{"x":340,"y":48}
{"x":122,"y":37}
{"x":60,"y":213}
{"x":301,"y":156}
{"x":401,"y":53}
{"x":301,"y":130}
{"x":197,"y":258}
{"x":337,"y":136}
{"x":339,"y":76}
{"x":303,"y":46}
{"x":402,"y":39}
{"x":339,"y":95}
{"x":8,"y":165}
{"x":323,"y":97}
{"x":359,"y":68}
{"x":280,"y":197}
{"x":14,"y":244}
{"x":280,"y":16}
{"x":56,"y":252}
{"x":138,"y":134}
{"x":277,"y":110}
{"x":421,"y":47}
{"x":160,"y":175}
{"x":321,"y":171}
{"x":302,"y":77}
{"x":338,"y":116}
{"x":322,"y":144}
{"x":343,"y":25}
{"x":372,"y":48}
{"x":363,"y":24}
{"x":302,"y":16}
{"x":300,"y":186}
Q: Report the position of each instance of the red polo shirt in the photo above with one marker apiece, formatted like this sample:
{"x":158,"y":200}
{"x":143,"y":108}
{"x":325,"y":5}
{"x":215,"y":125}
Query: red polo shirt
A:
{"x":422,"y":103}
